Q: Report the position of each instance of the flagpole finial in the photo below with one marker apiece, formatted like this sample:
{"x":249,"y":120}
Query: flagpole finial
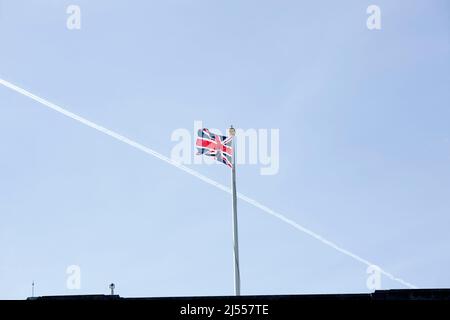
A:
{"x":232,"y":131}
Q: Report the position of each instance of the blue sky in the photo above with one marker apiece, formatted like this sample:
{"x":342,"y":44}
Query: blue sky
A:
{"x":364,"y":145}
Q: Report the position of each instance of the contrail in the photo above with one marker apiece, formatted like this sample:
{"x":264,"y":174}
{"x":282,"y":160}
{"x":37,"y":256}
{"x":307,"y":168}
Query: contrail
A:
{"x":200,"y":176}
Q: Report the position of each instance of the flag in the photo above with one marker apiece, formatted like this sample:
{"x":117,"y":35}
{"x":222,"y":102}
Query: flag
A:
{"x":214,"y":145}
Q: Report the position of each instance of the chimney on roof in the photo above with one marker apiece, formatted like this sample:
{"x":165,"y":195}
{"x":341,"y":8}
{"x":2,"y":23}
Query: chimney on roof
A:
{"x":112,"y":286}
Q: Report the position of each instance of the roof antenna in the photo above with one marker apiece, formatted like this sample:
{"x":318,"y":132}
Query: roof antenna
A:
{"x":112,"y":286}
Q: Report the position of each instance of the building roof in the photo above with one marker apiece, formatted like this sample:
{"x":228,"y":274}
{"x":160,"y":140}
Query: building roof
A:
{"x":379,"y":295}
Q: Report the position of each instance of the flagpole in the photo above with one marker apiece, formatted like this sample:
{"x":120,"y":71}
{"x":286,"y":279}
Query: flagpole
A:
{"x":237,"y":277}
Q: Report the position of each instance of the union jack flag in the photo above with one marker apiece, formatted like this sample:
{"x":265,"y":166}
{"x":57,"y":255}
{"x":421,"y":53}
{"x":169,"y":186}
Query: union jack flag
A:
{"x":214,"y":145}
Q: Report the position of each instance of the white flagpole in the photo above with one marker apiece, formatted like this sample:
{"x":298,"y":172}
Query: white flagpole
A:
{"x":237,"y":277}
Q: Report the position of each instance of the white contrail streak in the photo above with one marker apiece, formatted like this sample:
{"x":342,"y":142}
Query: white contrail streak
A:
{"x":198,"y":175}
